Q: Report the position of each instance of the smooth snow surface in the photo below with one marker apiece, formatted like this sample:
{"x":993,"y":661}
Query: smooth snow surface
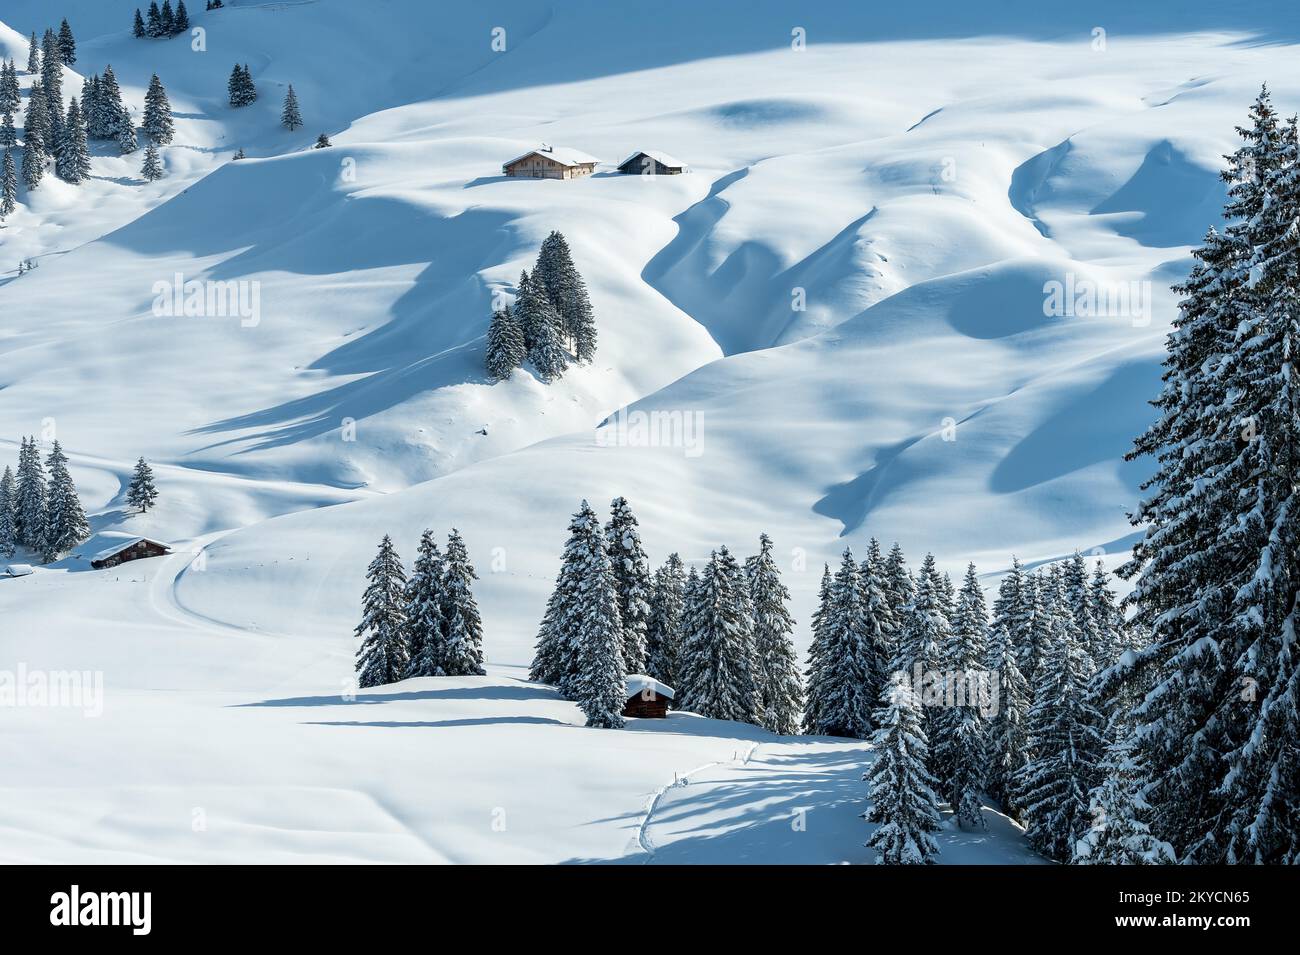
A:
{"x":838,"y":316}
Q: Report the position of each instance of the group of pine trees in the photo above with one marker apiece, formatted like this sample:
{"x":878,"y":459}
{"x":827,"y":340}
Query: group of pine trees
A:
{"x":52,"y":134}
{"x":1210,"y":763}
{"x":240,"y":87}
{"x":551,"y":323}
{"x":162,"y":22}
{"x":39,"y":507}
{"x":426,"y":624}
{"x":721,"y":637}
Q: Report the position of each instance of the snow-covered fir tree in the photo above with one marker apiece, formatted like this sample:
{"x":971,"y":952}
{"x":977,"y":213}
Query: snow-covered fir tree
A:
{"x":8,"y":185}
{"x":924,"y":633}
{"x":425,"y":625}
{"x":382,"y":656}
{"x":779,"y":682}
{"x":138,"y":29}
{"x":555,"y":658}
{"x":52,"y":84}
{"x":899,"y":587}
{"x":505,"y":345}
{"x":142,"y":492}
{"x":600,"y":682}
{"x":126,"y":140}
{"x":463,"y":651}
{"x":541,"y":326}
{"x":844,"y":668}
{"x":568,"y":295}
{"x":1216,"y":572}
{"x":30,"y":503}
{"x":290,"y":115}
{"x":166,"y":20}
{"x":240,"y":86}
{"x":73,"y":163}
{"x":152,"y":168}
{"x":65,"y":524}
{"x":8,"y":135}
{"x":322,"y":142}
{"x":960,"y":743}
{"x":1008,"y":728}
{"x":631,"y":571}
{"x":878,"y":613}
{"x":33,"y":55}
{"x":67,"y":44}
{"x":181,"y":21}
{"x":10,"y":95}
{"x":664,"y":632}
{"x":811,"y":713}
{"x":1065,"y":738}
{"x":8,"y":513}
{"x":1119,"y":833}
{"x":903,"y":803}
{"x":718,"y":671}
{"x":1031,"y":629}
{"x":158,"y":124}
{"x":105,"y":121}
{"x":1106,"y":617}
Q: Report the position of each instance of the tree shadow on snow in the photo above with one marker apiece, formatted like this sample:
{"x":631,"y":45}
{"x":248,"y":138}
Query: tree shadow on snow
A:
{"x":522,"y":692}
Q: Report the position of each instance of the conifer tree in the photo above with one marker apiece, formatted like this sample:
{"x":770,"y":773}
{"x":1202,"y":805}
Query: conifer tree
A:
{"x":382,"y":656}
{"x":322,"y":142}
{"x":29,"y":515}
{"x":181,"y":21}
{"x":568,"y":295}
{"x":240,"y":87}
{"x":1008,"y":728}
{"x":425,"y":625}
{"x":540,"y":323}
{"x":811,"y":710}
{"x":8,"y":185}
{"x":166,"y":20}
{"x":631,"y":572}
{"x":158,"y":124}
{"x":505,"y":345}
{"x":664,"y":633}
{"x":126,"y":141}
{"x":1119,"y":834}
{"x":463,"y":651}
{"x":8,"y":135}
{"x":555,"y":661}
{"x":780,"y":684}
{"x":154,"y":24}
{"x":141,"y":492}
{"x":1064,"y":737}
{"x":290,"y":116}
{"x":844,"y":669}
{"x":925,"y":632}
{"x":718,"y":667}
{"x":152,"y":170}
{"x":65,"y":522}
{"x":137,"y":28}
{"x":52,"y":84}
{"x":8,"y":513}
{"x":903,"y":804}
{"x":600,"y":683}
{"x":73,"y":163}
{"x":33,"y":55}
{"x":899,"y":588}
{"x":882,"y":625}
{"x":67,"y":45}
{"x":10,"y":95}
{"x":960,"y":750}
{"x":107,"y":121}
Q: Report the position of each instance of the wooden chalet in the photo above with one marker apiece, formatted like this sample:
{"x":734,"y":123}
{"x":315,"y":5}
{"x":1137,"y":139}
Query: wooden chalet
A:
{"x":651,"y":162}
{"x":551,"y":162}
{"x":130,"y":548}
{"x":647,"y":698}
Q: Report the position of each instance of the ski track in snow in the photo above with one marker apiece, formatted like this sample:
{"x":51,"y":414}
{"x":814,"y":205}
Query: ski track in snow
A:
{"x":642,"y":834}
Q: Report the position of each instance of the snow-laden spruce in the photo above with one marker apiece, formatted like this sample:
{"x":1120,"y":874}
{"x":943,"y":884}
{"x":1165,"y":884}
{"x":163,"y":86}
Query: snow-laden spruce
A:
{"x":8,"y":185}
{"x":555,"y":658}
{"x":600,"y":683}
{"x":1008,"y":729}
{"x":73,"y":162}
{"x":29,"y":506}
{"x":541,"y":326}
{"x":816,"y":650}
{"x":290,"y":114}
{"x":426,"y":627}
{"x":718,"y":672}
{"x":462,"y":653}
{"x":65,"y":524}
{"x":903,"y":803}
{"x":664,"y":633}
{"x":505,"y":345}
{"x":382,"y":656}
{"x":1119,"y":833}
{"x":779,"y":682}
{"x":631,"y":571}
{"x":8,"y":513}
{"x":844,"y":668}
{"x":568,"y":294}
{"x":960,"y":741}
{"x":924,"y":633}
{"x":141,"y":492}
{"x":158,"y":124}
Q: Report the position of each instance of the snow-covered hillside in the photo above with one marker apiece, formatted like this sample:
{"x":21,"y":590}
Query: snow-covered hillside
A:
{"x":844,"y":300}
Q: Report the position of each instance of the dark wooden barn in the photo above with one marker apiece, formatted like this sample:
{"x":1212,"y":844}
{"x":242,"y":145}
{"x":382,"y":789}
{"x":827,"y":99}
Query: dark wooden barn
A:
{"x":647,"y":698}
{"x":132,"y":548}
{"x":651,"y":162}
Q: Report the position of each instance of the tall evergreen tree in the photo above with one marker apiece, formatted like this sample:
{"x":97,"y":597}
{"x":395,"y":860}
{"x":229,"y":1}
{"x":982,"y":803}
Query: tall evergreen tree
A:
{"x":30,"y":506}
{"x":181,"y":21}
{"x":960,"y":753}
{"x":816,"y":651}
{"x":541,"y":326}
{"x":780,"y":684}
{"x":505,"y":345}
{"x":718,"y":668}
{"x":1008,"y":728}
{"x":925,"y":632}
{"x":106,"y":121}
{"x":137,"y":27}
{"x":631,"y":572}
{"x":600,"y":683}
{"x":555,"y":660}
{"x":154,"y":24}
{"x":463,"y":651}
{"x":903,"y":804}
{"x":10,"y":95}
{"x":425,"y":625}
{"x":52,"y":84}
{"x":33,"y":55}
{"x":568,"y":294}
{"x":158,"y":124}
{"x":67,"y":45}
{"x":126,"y":141}
{"x":382,"y":656}
{"x":664,"y":632}
{"x":8,"y":513}
{"x":65,"y":522}
{"x":290,"y":115}
{"x":899,"y":587}
{"x":843,"y":670}
{"x":8,"y":185}
{"x":240,"y":87}
{"x":141,"y":492}
{"x":8,"y":135}
{"x":152,"y":170}
{"x":73,"y":163}
{"x":1119,"y":834}
{"x":166,"y":20}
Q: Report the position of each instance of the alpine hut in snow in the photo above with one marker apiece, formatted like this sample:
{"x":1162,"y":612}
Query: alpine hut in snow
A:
{"x":551,"y":162}
{"x":130,"y":548}
{"x":647,"y":697}
{"x":651,"y":162}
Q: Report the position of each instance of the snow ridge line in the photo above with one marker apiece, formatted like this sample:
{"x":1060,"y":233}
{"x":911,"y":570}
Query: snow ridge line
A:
{"x":642,"y":839}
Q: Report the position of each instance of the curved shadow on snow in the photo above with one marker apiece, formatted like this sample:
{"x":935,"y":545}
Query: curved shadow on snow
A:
{"x":1167,"y":202}
{"x":523,"y":692}
{"x":443,"y":724}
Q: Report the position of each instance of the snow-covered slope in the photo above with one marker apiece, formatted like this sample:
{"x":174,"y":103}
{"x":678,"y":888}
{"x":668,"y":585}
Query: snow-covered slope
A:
{"x":843,"y":301}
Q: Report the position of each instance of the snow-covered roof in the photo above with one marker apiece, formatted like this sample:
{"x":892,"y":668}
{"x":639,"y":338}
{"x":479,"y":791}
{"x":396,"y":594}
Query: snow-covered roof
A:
{"x":660,"y":157}
{"x":18,"y":570}
{"x":564,"y":155}
{"x":637,"y":683}
{"x":124,"y":544}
